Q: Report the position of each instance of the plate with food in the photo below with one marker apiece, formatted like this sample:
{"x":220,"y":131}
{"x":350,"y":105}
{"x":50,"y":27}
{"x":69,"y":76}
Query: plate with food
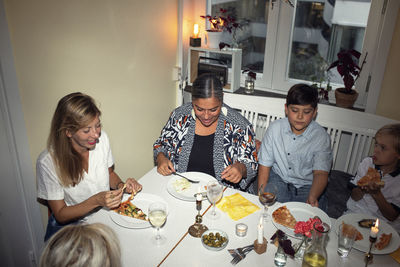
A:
{"x":388,"y":239}
{"x":133,"y":213}
{"x":183,"y":189}
{"x":285,"y":216}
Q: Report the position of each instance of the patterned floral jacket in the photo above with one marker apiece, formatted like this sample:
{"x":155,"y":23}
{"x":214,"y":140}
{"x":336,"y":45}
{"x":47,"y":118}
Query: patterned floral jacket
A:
{"x":234,"y":141}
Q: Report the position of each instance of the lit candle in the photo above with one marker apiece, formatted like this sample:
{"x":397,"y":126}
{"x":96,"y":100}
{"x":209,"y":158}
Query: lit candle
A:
{"x":260,"y":238}
{"x":375,"y":229}
{"x":196,"y":30}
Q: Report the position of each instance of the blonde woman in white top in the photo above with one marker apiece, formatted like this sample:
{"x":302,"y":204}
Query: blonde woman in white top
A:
{"x":75,"y":175}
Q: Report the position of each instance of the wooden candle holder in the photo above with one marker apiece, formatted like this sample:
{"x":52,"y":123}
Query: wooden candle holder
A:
{"x":260,"y":248}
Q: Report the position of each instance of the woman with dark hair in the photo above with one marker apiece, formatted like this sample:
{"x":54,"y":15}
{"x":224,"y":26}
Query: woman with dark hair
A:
{"x":76,"y":171}
{"x":210,"y":137}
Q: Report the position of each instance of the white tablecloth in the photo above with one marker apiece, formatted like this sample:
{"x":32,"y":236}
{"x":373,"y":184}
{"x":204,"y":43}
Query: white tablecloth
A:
{"x":137,"y":249}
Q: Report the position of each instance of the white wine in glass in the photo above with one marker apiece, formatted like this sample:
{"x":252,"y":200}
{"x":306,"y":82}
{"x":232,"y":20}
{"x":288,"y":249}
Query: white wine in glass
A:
{"x":157,"y":217}
{"x":214,"y":193}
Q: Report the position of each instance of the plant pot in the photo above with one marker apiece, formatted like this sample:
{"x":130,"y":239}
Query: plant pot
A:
{"x":345,"y":100}
{"x":213,"y":39}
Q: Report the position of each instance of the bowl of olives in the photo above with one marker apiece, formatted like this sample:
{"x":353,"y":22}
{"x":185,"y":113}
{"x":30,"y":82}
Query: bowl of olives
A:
{"x":214,"y":239}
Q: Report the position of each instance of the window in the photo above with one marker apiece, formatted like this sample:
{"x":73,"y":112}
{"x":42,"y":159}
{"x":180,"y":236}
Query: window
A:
{"x":286,"y":45}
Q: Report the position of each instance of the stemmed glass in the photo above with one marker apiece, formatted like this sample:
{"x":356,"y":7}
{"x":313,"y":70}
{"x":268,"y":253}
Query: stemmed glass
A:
{"x":157,"y":217}
{"x":267,"y":197}
{"x":214,"y":193}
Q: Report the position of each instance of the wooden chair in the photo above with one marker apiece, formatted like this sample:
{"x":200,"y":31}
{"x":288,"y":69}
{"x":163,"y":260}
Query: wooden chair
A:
{"x":351,"y":131}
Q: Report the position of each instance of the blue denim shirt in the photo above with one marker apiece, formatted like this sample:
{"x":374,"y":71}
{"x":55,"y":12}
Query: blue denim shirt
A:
{"x":295,"y":157}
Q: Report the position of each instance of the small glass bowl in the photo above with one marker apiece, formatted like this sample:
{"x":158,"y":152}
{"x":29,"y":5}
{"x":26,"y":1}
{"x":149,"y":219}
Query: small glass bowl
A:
{"x":215,"y":231}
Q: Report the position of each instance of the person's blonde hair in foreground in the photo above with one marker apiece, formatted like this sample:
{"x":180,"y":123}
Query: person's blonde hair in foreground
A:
{"x":82,"y":245}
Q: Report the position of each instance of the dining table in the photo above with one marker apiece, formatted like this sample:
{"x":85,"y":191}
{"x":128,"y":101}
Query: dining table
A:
{"x":182,"y":249}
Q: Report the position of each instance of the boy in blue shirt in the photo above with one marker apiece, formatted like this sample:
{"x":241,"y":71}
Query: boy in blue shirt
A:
{"x":295,"y":153}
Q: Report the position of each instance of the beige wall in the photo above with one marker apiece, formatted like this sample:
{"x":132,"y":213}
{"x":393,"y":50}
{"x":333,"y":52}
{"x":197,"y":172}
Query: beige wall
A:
{"x":388,"y":103}
{"x":122,"y":53}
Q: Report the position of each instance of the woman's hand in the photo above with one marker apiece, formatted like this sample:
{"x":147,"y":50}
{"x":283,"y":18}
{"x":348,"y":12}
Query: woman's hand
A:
{"x":109,"y":199}
{"x":132,"y":186}
{"x":234,"y":173}
{"x":164,"y":165}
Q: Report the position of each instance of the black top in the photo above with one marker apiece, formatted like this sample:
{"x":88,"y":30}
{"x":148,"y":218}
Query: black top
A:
{"x":201,"y":156}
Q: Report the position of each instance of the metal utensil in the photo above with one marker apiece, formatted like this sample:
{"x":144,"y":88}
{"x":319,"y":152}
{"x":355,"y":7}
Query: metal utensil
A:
{"x":241,"y":254}
{"x":233,"y":252}
{"x":192,"y":181}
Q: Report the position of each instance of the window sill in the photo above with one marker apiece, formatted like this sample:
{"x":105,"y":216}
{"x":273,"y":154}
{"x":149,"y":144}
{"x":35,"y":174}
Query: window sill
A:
{"x":241,"y":91}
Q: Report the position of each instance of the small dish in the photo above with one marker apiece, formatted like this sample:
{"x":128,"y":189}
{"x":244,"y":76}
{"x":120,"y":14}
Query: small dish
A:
{"x":214,"y":239}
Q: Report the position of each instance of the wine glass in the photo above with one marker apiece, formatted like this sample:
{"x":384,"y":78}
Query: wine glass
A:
{"x":214,"y":193}
{"x":267,"y":197}
{"x":157,"y":217}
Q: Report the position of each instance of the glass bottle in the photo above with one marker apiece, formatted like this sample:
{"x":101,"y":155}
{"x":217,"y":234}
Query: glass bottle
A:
{"x":315,"y":254}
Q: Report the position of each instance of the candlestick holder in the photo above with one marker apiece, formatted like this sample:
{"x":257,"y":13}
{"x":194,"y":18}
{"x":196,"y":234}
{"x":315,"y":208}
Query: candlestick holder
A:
{"x":195,"y":41}
{"x":197,"y":229}
{"x":368,"y":256}
{"x":260,"y":248}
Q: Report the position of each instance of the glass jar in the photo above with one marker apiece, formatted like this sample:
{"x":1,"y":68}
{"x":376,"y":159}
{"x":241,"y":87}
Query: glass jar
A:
{"x":315,"y":254}
{"x":249,"y":85}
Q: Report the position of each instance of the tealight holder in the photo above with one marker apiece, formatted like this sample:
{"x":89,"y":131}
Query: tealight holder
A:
{"x":241,"y":229}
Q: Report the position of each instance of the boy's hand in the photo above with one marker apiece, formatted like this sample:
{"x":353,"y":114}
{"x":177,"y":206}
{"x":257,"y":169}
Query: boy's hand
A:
{"x":313,"y":201}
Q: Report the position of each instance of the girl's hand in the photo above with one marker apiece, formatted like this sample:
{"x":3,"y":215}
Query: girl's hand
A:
{"x":132,"y":186}
{"x":372,"y":188}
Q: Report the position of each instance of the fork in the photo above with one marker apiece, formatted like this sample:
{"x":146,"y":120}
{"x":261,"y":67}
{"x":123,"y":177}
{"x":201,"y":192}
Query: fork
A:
{"x":192,"y":181}
{"x":234,"y":252}
{"x":241,"y":254}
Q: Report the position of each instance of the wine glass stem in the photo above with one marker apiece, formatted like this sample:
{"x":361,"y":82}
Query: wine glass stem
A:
{"x":265,"y":209}
{"x":213,"y":212}
{"x":158,"y":233}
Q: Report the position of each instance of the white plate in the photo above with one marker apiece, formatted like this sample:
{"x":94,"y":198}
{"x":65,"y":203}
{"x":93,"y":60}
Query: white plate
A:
{"x":142,"y":201}
{"x":188,"y":194}
{"x":301,"y":212}
{"x":363,"y":245}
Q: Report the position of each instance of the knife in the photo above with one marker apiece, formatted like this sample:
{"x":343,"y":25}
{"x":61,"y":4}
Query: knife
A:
{"x":192,"y":181}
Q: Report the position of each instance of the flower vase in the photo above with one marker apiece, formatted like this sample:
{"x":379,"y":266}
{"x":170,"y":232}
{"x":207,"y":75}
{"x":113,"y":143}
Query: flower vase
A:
{"x":213,"y":39}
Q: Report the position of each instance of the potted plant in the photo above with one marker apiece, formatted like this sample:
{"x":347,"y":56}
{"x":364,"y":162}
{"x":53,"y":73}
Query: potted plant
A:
{"x":347,"y":67}
{"x":219,"y":23}
{"x":249,"y":82}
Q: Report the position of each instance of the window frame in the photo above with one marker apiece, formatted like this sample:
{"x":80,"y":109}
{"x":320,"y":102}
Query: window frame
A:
{"x":381,"y":23}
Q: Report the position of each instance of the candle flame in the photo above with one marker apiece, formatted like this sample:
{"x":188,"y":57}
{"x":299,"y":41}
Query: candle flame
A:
{"x":377,"y":223}
{"x":196,"y":30}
